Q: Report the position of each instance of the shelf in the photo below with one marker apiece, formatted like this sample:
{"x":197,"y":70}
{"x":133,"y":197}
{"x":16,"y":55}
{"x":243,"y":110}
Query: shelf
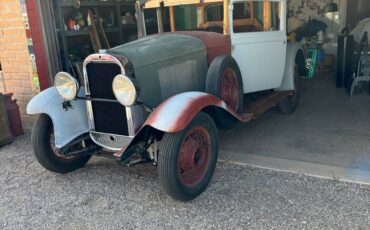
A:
{"x":129,"y":26}
{"x":115,"y":34}
{"x":95,"y":3}
{"x":86,"y":32}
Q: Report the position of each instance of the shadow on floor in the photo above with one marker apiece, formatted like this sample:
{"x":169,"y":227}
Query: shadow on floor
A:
{"x":328,"y":136}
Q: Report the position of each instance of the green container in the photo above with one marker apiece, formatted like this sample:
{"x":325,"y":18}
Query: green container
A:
{"x":185,"y":17}
{"x":311,"y":63}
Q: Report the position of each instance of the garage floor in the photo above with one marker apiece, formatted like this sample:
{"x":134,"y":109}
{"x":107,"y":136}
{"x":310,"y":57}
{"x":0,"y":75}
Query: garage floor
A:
{"x":328,"y":136}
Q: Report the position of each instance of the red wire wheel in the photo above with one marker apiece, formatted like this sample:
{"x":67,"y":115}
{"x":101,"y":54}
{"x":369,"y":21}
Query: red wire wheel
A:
{"x":225,"y":82}
{"x":187,"y":159}
{"x":194,"y":156}
{"x":230,"y":89}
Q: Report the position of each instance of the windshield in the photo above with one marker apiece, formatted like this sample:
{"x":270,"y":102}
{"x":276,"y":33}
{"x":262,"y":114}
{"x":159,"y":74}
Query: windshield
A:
{"x":247,"y":16}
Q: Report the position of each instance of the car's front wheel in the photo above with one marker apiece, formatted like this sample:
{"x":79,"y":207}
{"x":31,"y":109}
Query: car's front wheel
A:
{"x":187,"y":159}
{"x":47,"y":155}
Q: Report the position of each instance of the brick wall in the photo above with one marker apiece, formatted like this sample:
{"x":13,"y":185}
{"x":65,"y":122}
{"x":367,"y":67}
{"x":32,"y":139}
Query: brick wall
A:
{"x":14,"y":57}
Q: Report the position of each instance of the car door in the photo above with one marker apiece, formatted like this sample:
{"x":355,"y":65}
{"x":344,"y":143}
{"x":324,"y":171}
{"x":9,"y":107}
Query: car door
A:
{"x":259,"y":42}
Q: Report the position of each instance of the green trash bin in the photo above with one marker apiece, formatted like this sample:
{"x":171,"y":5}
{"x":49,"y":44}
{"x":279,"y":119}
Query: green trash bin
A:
{"x":5,"y":134}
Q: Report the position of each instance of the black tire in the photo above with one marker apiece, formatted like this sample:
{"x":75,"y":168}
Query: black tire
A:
{"x":170,"y":167}
{"x":290,"y":103}
{"x":215,"y":75}
{"x":44,"y":153}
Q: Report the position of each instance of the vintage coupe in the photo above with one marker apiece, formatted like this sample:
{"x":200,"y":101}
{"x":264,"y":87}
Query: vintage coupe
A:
{"x":161,"y":98}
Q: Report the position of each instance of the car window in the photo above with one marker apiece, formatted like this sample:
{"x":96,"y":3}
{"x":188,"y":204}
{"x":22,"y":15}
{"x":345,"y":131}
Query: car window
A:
{"x":256,"y":16}
{"x":242,"y":10}
{"x":214,"y":13}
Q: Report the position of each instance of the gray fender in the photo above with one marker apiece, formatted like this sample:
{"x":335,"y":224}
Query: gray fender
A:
{"x":294,"y":56}
{"x":68,"y":125}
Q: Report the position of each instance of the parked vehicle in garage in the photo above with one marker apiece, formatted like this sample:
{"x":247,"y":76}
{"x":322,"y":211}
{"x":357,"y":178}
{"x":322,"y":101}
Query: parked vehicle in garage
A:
{"x":161,"y":98}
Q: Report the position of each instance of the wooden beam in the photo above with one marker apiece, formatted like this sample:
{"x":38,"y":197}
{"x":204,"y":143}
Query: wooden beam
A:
{"x":167,"y":3}
{"x":251,"y":4}
{"x":266,"y":15}
{"x":226,"y":18}
{"x":159,"y":20}
{"x":172,"y":18}
{"x":201,"y":16}
{"x":140,"y":26}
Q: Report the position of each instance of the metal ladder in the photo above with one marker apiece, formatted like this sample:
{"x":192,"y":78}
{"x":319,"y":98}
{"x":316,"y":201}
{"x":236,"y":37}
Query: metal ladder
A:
{"x":362,"y":69}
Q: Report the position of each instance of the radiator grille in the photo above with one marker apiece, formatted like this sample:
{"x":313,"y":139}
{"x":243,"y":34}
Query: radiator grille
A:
{"x":109,"y":117}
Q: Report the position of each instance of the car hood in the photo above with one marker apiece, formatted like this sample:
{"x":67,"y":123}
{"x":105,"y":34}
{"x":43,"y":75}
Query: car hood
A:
{"x":158,"y":48}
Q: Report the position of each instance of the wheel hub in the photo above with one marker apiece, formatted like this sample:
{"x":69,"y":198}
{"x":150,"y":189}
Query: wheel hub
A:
{"x":194,"y":156}
{"x":230,"y":89}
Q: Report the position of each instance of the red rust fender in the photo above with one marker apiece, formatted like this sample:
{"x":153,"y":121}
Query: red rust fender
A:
{"x":175,"y":114}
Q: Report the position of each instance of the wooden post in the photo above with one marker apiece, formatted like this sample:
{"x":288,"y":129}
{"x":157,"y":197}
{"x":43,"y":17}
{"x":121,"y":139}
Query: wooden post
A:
{"x":251,"y":4}
{"x":267,"y":15}
{"x":139,"y":19}
{"x":159,"y":20}
{"x":201,"y":16}
{"x":172,"y":18}
{"x":226,"y":17}
{"x":143,"y":21}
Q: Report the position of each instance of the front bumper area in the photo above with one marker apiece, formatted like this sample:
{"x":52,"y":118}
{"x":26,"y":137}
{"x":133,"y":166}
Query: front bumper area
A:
{"x":111,"y":142}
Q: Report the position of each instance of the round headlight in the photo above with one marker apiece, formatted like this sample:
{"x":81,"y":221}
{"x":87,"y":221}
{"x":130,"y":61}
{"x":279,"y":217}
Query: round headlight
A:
{"x":66,"y":85}
{"x":124,"y":90}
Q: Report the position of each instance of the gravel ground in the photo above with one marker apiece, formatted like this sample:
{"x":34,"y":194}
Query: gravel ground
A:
{"x":105,"y":195}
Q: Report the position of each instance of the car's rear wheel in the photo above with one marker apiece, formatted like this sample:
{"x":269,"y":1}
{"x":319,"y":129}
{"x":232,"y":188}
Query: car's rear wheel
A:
{"x":290,"y":103}
{"x":224,"y":81}
{"x":47,"y":155}
{"x":187,"y":159}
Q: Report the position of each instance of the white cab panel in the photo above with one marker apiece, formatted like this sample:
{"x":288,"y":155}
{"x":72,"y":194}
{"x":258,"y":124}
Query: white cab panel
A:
{"x":260,"y":55}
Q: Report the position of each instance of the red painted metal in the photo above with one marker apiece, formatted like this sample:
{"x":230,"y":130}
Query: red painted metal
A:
{"x":177,"y":112}
{"x":194,"y":156}
{"x":230,"y":89}
{"x":216,"y":44}
{"x":35,"y":32}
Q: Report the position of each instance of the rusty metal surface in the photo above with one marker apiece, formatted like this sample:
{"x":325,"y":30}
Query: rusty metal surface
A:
{"x":216,"y":44}
{"x":265,"y":103}
{"x":177,"y":112}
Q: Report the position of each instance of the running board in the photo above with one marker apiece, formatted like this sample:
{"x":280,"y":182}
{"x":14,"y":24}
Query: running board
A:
{"x":265,"y":103}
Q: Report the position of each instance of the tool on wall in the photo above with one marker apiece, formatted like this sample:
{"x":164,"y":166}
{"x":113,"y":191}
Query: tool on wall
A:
{"x":96,"y":30}
{"x":76,"y":3}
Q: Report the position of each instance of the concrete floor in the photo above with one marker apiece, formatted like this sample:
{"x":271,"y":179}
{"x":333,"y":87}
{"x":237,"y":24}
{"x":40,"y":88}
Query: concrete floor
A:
{"x":328,"y":136}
